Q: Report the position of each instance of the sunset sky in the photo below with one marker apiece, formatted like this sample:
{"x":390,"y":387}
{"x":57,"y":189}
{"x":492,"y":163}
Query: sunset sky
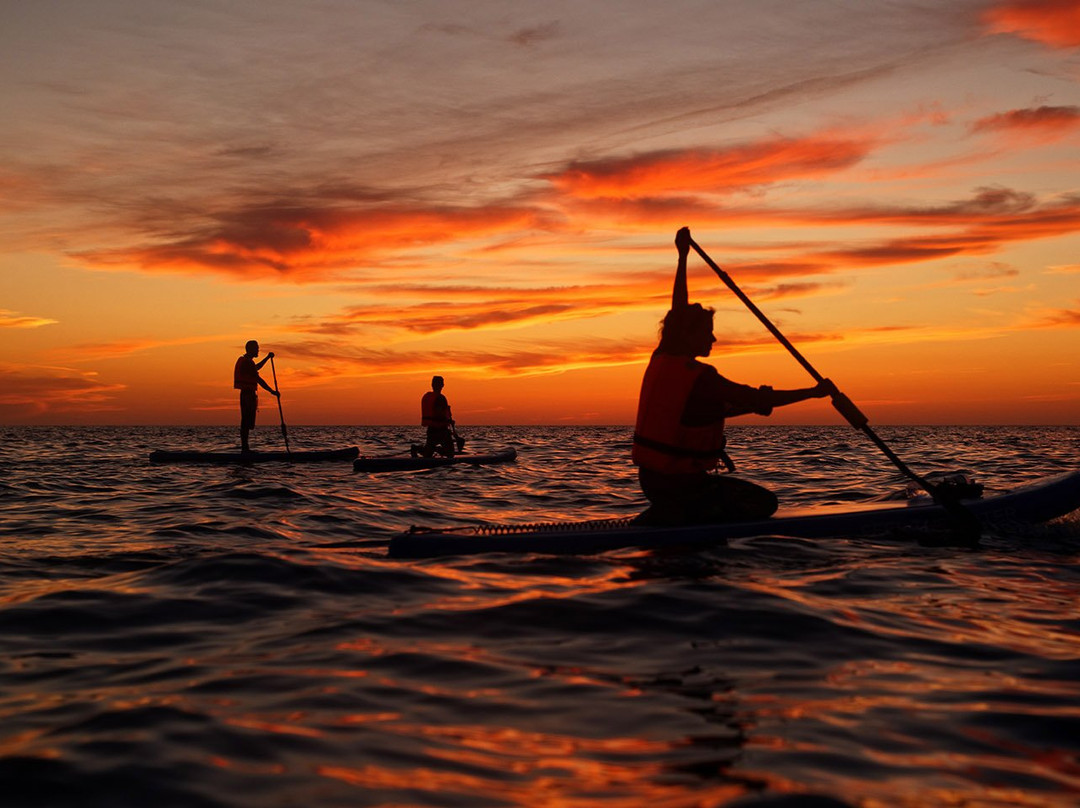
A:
{"x":380,"y":191}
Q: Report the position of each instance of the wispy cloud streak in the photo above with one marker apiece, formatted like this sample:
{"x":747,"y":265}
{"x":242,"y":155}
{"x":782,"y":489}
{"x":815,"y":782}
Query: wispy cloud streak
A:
{"x":457,"y":308}
{"x":337,"y":359}
{"x":13,"y":319}
{"x":30,"y":392}
{"x":98,"y":351}
{"x":1052,"y":22}
{"x":311,"y":242}
{"x":741,"y":167}
{"x":1057,"y":318}
{"x":1045,"y":124}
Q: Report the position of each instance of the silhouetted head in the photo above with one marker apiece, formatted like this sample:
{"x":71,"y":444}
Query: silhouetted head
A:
{"x":687,"y":331}
{"x":436,"y":383}
{"x":252,"y":347}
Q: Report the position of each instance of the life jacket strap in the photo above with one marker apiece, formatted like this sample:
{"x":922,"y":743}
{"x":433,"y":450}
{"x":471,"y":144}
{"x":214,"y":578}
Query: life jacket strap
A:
{"x":680,"y":451}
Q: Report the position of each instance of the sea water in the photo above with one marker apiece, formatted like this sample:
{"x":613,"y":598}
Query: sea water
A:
{"x":184,"y":635}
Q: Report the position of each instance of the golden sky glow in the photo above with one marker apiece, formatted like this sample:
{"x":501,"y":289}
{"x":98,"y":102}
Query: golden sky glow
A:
{"x":379,"y":191}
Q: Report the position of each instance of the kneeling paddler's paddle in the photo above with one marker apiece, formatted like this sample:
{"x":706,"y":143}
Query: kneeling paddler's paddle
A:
{"x":966,"y":527}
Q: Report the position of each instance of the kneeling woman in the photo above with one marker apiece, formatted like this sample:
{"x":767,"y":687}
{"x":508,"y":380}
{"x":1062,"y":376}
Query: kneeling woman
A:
{"x":679,"y":433}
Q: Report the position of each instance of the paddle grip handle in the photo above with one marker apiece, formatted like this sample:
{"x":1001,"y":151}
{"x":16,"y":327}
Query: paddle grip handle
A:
{"x":852,"y":414}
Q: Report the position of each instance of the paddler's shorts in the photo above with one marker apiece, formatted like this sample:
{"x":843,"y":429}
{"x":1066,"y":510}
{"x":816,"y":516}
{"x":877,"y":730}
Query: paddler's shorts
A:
{"x":249,"y":405}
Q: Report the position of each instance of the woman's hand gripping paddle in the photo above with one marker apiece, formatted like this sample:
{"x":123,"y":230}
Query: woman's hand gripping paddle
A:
{"x":966,"y":527}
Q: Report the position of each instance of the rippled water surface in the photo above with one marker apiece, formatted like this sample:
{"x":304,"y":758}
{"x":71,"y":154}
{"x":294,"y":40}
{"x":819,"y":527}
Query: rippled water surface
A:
{"x":236,"y":636}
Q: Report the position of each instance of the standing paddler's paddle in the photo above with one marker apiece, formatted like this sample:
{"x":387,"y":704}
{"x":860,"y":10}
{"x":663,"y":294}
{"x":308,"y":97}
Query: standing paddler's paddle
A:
{"x":965,"y":525}
{"x":284,"y":432}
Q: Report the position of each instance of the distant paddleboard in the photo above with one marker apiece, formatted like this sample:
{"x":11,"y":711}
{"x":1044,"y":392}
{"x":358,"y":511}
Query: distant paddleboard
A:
{"x":316,"y":456}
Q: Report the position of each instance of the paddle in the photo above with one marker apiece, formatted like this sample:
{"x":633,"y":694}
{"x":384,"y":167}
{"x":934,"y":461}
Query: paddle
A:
{"x":284,"y":432}
{"x":460,"y":441}
{"x":966,"y":526}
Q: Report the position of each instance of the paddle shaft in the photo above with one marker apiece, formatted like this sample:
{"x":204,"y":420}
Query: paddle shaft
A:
{"x":281,"y":413}
{"x":844,"y":405}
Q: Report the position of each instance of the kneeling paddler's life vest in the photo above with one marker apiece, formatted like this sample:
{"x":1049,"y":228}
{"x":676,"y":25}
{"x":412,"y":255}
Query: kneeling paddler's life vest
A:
{"x":431,"y":413}
{"x":661,"y":442}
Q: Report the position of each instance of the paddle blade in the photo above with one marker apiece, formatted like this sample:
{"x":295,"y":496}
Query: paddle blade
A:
{"x":965,"y":527}
{"x":957,"y":486}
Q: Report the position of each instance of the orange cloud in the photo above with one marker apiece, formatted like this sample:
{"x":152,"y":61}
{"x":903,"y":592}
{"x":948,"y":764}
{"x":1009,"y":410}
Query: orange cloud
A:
{"x":1058,"y":318}
{"x":13,"y":319}
{"x":783,"y":291}
{"x":742,"y":167}
{"x":467,"y":308}
{"x":338,"y":359}
{"x":1052,"y":22}
{"x":33,"y":392}
{"x":992,"y":218}
{"x":306,"y":242}
{"x":991,"y":272}
{"x":980,"y":225}
{"x":1044,"y":124}
{"x":464,"y":308}
{"x":764,"y":271}
{"x":337,"y":231}
{"x":988,"y":206}
{"x":98,"y":351}
{"x":334,"y":229}
{"x":908,"y":250}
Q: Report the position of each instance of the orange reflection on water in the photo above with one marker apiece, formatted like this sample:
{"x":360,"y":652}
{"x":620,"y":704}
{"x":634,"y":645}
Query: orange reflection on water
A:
{"x":286,"y":725}
{"x":357,"y":719}
{"x":22,"y":743}
{"x":498,"y":589}
{"x":864,"y":685}
{"x":406,"y":779}
{"x":973,"y":778}
{"x":375,"y":648}
{"x":247,"y":767}
{"x":1018,"y":610}
{"x":537,"y":745}
{"x":541,"y":769}
{"x":1015,"y":612}
{"x":27,"y":591}
{"x":459,"y":652}
{"x":933,"y":695}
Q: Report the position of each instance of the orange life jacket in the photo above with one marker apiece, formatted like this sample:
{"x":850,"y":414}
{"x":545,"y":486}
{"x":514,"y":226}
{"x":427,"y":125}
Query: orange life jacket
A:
{"x":432,"y":411}
{"x":245,"y":376}
{"x":661,"y":442}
